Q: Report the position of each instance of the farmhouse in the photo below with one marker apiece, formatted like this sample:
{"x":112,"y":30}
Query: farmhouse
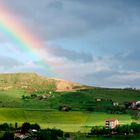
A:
{"x":135,"y":105}
{"x":111,"y":124}
{"x":98,"y":100}
{"x":115,"y":103}
{"x":20,"y":136}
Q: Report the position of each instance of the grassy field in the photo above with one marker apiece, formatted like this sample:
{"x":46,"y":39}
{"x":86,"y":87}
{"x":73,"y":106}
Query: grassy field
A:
{"x":117,"y":95}
{"x":107,"y":138}
{"x":45,"y":111}
{"x":79,"y":100}
{"x":67,"y":121}
{"x":13,"y":99}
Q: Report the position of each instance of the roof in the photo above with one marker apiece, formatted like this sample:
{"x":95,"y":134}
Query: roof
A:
{"x":111,"y":120}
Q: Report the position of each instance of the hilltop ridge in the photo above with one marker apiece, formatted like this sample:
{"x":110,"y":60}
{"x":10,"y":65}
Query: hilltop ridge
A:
{"x":34,"y":81}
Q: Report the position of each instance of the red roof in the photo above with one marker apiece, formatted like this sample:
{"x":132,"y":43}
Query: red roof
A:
{"x":111,"y":120}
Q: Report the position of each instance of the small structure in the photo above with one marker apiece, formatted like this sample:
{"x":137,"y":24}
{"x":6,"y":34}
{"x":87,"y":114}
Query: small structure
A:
{"x":20,"y":136}
{"x":135,"y":105}
{"x":115,"y":103}
{"x":98,"y":100}
{"x":64,"y":108}
{"x":111,"y":124}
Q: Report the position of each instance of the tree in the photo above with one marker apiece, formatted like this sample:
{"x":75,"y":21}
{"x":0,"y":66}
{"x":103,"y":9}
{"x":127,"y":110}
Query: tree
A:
{"x":8,"y":136}
{"x":35,"y":126}
{"x":46,"y":134}
{"x":16,"y":125}
{"x":25,"y":127}
{"x":135,"y":127}
{"x":4,"y":127}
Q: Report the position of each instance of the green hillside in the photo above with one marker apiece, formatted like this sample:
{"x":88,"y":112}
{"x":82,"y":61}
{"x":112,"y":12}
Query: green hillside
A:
{"x":34,"y":82}
{"x":28,"y":97}
{"x":27,"y":81}
{"x":29,"y":90}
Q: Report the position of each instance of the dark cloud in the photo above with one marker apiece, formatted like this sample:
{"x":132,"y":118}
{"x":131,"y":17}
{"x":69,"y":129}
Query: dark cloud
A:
{"x":67,"y":19}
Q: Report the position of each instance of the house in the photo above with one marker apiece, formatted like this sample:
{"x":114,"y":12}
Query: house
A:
{"x":24,"y":136}
{"x":20,"y":136}
{"x":111,"y":124}
{"x":115,"y":103}
{"x":135,"y":105}
{"x":64,"y":108}
{"x":98,"y":100}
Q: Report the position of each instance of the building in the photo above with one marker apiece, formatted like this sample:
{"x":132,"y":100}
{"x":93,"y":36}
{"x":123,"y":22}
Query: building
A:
{"x":111,"y":124}
{"x":98,"y":100}
{"x":20,"y":136}
{"x":135,"y":105}
{"x":115,"y":103}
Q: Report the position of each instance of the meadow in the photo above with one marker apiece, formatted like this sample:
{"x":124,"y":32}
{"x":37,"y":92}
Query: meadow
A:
{"x":72,"y":121}
{"x":13,"y":108}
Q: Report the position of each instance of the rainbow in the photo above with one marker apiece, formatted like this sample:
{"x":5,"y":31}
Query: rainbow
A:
{"x":21,"y":37}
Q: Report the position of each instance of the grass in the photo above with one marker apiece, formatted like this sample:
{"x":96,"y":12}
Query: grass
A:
{"x":14,"y":109}
{"x":79,"y":100}
{"x":106,"y":138}
{"x":117,"y":95}
{"x":67,"y":121}
{"x":13,"y":99}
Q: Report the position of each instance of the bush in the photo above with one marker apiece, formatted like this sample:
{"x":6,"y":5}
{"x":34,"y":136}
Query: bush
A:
{"x":64,"y":108}
{"x":116,"y":110}
{"x":25,"y":127}
{"x":35,"y":126}
{"x":49,"y":134}
{"x":134,"y":128}
{"x":8,"y":136}
{"x":4,"y":127}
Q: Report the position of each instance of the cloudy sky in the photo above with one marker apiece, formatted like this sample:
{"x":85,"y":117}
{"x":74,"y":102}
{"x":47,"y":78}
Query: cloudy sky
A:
{"x":95,"y":42}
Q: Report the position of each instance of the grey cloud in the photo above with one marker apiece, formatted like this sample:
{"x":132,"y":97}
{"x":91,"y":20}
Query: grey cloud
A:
{"x":70,"y":54}
{"x":113,"y":79}
{"x":128,"y":60}
{"x":63,"y":18}
{"x":109,"y":27}
{"x":7,"y":62}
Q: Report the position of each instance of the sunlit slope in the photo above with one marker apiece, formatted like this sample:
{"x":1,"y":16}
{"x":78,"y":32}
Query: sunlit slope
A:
{"x":34,"y":82}
{"x":68,"y":121}
{"x":14,"y":86}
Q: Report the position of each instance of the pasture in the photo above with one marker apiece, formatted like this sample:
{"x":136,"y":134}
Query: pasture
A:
{"x":45,"y":111}
{"x":68,"y":121}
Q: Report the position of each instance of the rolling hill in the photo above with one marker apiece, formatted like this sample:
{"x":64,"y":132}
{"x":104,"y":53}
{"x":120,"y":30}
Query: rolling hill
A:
{"x":27,"y":97}
{"x":33,"y":81}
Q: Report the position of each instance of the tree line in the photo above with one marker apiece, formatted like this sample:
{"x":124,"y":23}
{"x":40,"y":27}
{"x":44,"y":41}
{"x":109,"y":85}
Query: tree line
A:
{"x":132,"y":129}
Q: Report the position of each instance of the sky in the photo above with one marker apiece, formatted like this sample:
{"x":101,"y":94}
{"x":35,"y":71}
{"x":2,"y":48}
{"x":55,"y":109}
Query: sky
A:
{"x":93,"y":42}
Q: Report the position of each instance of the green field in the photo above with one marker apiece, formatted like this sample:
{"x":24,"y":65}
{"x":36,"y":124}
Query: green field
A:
{"x":77,"y":100}
{"x":45,"y":112}
{"x":107,"y":138}
{"x":67,"y":121}
{"x":13,"y":108}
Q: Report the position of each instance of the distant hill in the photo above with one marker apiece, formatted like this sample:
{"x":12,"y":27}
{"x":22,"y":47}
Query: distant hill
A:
{"x":35,"y":82}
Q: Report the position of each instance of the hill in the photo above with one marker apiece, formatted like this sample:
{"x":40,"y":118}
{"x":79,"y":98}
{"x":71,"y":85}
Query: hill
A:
{"x":30,"y":90}
{"x":35,"y":82}
{"x":34,"y":98}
